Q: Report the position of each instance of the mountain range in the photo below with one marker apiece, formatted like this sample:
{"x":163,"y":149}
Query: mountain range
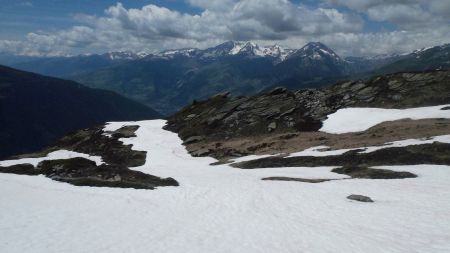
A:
{"x":169,"y":80}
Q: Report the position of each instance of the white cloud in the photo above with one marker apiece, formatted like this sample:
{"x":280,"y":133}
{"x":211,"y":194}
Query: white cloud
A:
{"x":386,"y":42}
{"x":155,"y":28}
{"x":406,"y":14}
{"x":440,"y":7}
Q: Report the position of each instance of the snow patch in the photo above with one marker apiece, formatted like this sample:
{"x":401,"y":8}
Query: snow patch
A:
{"x":360,"y":119}
{"x":319,"y":151}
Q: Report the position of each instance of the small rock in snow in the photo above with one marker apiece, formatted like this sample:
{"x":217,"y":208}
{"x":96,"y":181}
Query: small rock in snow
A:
{"x":360,"y":198}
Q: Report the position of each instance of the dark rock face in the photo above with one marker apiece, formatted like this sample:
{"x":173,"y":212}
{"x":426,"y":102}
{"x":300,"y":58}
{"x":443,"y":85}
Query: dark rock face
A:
{"x":222,"y":117}
{"x":436,"y":153}
{"x":364,"y":172}
{"x":360,"y":198}
{"x":93,"y":141}
{"x":20,"y":169}
{"x":84,"y":172}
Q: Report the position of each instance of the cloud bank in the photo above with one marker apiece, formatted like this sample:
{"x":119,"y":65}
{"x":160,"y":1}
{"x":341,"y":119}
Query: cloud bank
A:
{"x":341,"y":24}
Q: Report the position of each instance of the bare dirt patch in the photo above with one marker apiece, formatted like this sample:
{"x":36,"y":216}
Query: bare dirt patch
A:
{"x":297,"y":141}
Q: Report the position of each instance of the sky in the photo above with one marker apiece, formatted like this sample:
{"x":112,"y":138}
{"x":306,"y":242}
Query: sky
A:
{"x":350,"y":27}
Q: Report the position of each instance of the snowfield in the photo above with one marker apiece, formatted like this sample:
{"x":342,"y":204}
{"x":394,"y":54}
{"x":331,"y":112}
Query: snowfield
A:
{"x":224,"y":209}
{"x":360,"y":119}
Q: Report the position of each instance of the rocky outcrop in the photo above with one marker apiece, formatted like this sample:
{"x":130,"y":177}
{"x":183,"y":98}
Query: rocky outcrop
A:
{"x":222,"y":117}
{"x":436,"y":153}
{"x":114,"y":172}
{"x":84,"y":172}
{"x":370,"y":173}
{"x":279,"y":111}
{"x":95,"y":141}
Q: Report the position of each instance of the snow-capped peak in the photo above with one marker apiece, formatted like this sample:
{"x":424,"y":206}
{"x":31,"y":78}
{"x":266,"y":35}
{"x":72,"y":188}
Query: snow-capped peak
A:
{"x":237,"y":47}
{"x":316,"y":51}
{"x":247,"y":48}
{"x":143,"y":54}
{"x":424,"y":49}
{"x":250,"y":49}
{"x":277,"y":51}
{"x":121,"y":55}
{"x":188,"y":52}
{"x":253,"y":49}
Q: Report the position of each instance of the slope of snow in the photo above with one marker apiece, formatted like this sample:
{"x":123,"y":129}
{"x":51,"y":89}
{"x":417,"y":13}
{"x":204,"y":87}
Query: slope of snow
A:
{"x":124,"y":55}
{"x":319,"y":151}
{"x":224,"y":209}
{"x":360,"y":119}
{"x":183,"y":52}
{"x":237,"y":47}
{"x":60,"y":154}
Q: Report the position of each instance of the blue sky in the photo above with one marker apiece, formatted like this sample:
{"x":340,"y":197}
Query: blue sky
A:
{"x":21,"y":17}
{"x":355,"y":27}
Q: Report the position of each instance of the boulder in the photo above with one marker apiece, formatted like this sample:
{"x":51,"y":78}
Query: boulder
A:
{"x":394,"y":84}
{"x":272,"y":126}
{"x":277,"y":90}
{"x":201,"y":152}
{"x":357,"y":86}
{"x":191,"y":116}
{"x":193,"y":139}
{"x":360,"y":198}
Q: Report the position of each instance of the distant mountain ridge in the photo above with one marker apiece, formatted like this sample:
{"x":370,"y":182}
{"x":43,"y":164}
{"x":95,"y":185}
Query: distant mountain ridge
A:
{"x":431,"y":58}
{"x":174,"y":78}
{"x":248,"y":48}
{"x":169,"y":80}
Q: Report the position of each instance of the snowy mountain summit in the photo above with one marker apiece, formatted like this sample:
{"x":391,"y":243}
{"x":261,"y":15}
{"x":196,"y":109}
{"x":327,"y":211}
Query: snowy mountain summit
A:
{"x":231,"y":48}
{"x":252,"y":49}
{"x":316,"y":51}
